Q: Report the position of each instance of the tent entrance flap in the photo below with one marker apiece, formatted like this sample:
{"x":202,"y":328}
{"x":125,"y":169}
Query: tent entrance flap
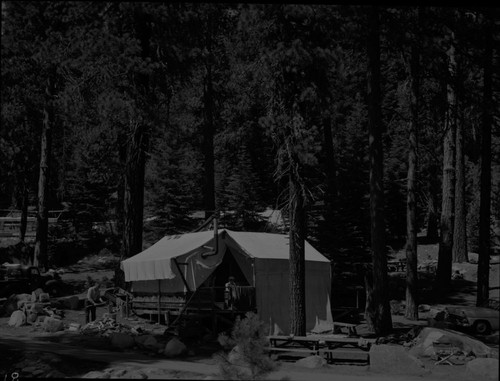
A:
{"x":181,"y":274}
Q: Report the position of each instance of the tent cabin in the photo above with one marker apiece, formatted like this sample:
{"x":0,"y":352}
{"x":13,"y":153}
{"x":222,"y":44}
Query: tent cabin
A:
{"x":186,"y":274}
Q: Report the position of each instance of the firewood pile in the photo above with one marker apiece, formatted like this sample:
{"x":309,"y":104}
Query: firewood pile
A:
{"x":107,"y":326}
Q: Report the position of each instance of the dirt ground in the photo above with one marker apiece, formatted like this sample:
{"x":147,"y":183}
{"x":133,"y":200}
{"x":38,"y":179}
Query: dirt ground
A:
{"x":74,"y":355}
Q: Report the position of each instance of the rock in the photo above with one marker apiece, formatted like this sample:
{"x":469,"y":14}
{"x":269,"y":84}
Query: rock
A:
{"x":17,"y":319}
{"x":55,"y":374}
{"x":29,"y":369}
{"x":118,"y":372}
{"x":96,"y":374}
{"x":483,"y":368}
{"x":43,"y":297}
{"x":174,"y":347}
{"x":467,"y":344}
{"x":74,"y":327}
{"x":493,"y":338}
{"x":51,"y":324}
{"x":311,"y":362}
{"x":37,"y":308}
{"x":235,"y":357}
{"x":70,"y":302}
{"x":121,"y":340}
{"x":138,"y":375}
{"x":395,"y":359}
{"x":150,"y":342}
{"x":141,"y":340}
{"x":23,"y":297}
{"x":31,"y":318}
{"x":38,"y":372}
{"x":424,"y":308}
{"x":37,"y":293}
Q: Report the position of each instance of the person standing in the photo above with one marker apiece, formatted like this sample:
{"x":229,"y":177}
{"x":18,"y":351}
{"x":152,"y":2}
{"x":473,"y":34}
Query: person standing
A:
{"x":230,"y":293}
{"x":93,"y":298}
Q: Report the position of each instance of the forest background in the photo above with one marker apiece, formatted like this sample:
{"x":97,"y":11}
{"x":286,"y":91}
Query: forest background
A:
{"x":136,"y":116}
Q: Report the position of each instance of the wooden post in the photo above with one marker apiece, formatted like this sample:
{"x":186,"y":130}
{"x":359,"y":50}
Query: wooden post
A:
{"x":159,"y":301}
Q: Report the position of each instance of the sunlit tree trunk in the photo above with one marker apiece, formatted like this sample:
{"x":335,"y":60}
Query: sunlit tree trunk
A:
{"x":208,"y":129}
{"x":483,"y":268}
{"x":459,"y":226}
{"x":297,"y":258}
{"x":378,"y":313}
{"x":443,"y":276}
{"x":42,"y":216}
{"x":411,"y":203}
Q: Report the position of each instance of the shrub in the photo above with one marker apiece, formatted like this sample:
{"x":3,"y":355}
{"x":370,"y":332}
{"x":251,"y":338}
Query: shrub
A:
{"x":245,"y":357}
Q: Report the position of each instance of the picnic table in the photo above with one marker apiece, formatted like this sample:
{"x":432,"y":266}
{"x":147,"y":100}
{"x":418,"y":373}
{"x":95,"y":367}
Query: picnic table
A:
{"x":352,"y":348}
{"x":292,"y":343}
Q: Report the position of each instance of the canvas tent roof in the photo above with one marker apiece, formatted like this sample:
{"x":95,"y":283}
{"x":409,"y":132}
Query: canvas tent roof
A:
{"x":155,"y":262}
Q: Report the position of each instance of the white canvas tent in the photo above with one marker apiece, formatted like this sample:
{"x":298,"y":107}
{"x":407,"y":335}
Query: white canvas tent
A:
{"x":263,"y":259}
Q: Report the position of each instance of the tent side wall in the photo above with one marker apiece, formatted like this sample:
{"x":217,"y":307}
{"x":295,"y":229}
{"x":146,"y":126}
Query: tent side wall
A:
{"x":273,"y":298}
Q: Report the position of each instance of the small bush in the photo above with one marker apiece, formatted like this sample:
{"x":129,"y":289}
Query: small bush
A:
{"x":246,"y":358}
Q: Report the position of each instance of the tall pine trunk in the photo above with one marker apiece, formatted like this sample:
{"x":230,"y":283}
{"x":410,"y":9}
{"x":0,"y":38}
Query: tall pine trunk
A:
{"x":209,"y":130}
{"x":133,"y":195}
{"x":460,"y":224}
{"x":24,"y":207}
{"x":297,"y":285}
{"x":378,"y":313}
{"x":483,"y":268}
{"x":432,"y":208}
{"x":42,"y":216}
{"x":135,"y":155}
{"x":411,"y":203}
{"x":443,"y":275}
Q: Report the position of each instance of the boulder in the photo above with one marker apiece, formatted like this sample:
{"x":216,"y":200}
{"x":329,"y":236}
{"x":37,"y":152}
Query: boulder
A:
{"x":55,"y":374}
{"x":31,"y":317}
{"x":150,"y":342}
{"x":51,"y":324}
{"x":395,"y":359}
{"x":137,"y":375}
{"x":483,"y":368}
{"x":174,"y":347}
{"x":467,"y":344}
{"x":96,"y":374}
{"x":36,"y":308}
{"x":17,"y":319}
{"x":121,"y":340}
{"x":23,"y":297}
{"x":311,"y":362}
{"x":146,"y":341}
{"x":36,"y":294}
{"x":43,"y":297}
{"x":70,"y":302}
{"x":235,"y":356}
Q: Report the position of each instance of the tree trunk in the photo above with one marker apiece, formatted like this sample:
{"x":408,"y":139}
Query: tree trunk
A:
{"x":411,"y":203}
{"x":135,"y":156}
{"x":443,"y":275}
{"x":483,"y":268}
{"x":378,"y":313}
{"x":330,"y":196}
{"x":24,"y":209}
{"x":209,"y":131}
{"x":133,"y":196}
{"x":42,"y":217}
{"x":459,"y":227}
{"x":297,"y":259}
{"x":432,"y":210}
